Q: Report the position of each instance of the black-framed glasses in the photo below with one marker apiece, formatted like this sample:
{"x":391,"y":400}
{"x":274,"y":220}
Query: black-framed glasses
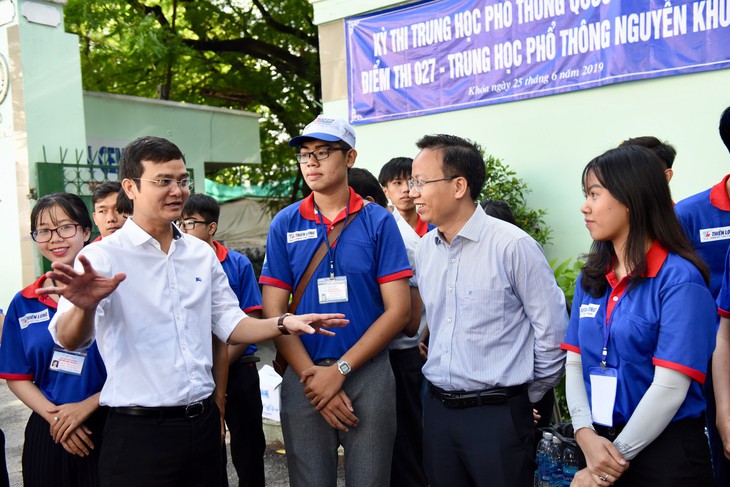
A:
{"x":45,"y":234}
{"x":166,"y":183}
{"x":189,"y":224}
{"x":319,"y":155}
{"x":418,"y":185}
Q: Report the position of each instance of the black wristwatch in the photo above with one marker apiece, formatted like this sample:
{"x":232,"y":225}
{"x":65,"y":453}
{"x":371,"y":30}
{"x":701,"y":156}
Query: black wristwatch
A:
{"x":280,"y":324}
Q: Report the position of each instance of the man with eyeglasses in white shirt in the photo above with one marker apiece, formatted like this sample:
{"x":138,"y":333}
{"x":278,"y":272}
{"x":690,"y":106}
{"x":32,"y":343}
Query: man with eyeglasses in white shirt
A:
{"x":151,"y":297}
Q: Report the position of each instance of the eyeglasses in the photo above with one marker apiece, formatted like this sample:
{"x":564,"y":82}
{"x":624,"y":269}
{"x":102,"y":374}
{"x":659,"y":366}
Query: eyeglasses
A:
{"x":190,"y":224}
{"x":319,"y":155}
{"x":418,"y":185}
{"x":166,"y":183}
{"x":45,"y":234}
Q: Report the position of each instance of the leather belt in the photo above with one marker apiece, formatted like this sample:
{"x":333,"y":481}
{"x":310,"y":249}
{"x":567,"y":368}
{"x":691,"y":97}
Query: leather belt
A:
{"x":190,"y":411}
{"x":468,"y":399}
{"x":248,"y":359}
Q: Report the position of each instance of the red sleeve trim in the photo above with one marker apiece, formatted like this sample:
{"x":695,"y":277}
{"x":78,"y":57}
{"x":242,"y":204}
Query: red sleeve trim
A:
{"x":258,"y":307}
{"x":569,"y":348}
{"x":723,"y":313}
{"x":270,"y":281}
{"x":16,"y":376}
{"x":689,"y":372}
{"x":394,"y":277}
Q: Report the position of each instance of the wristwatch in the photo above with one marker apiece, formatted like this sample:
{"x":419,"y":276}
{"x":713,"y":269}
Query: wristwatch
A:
{"x":344,"y":367}
{"x":280,"y":324}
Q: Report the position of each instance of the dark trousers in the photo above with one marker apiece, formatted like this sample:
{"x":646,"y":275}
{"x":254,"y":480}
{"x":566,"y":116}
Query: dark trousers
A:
{"x":720,"y":464}
{"x":407,"y":466}
{"x":490,"y":445}
{"x":679,"y":457}
{"x":151,"y":451}
{"x":243,"y":417}
{"x":47,"y":464}
{"x":4,"y":479}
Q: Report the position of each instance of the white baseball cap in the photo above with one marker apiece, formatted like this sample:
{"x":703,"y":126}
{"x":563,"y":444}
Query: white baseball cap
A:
{"x":326,"y":128}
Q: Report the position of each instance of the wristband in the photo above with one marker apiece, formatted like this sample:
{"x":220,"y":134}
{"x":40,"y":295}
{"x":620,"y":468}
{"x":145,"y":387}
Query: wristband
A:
{"x":280,"y":324}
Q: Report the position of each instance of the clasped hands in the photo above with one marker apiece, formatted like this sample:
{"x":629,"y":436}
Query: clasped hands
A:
{"x":323,"y":388}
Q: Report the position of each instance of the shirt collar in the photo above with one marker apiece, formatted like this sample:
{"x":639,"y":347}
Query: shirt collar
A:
{"x":421,"y":227}
{"x":471,"y":229}
{"x":655,"y":258}
{"x":138,"y":236}
{"x":307,"y":210}
{"x":29,"y":292}
{"x":718,"y":195}
{"x":220,"y":251}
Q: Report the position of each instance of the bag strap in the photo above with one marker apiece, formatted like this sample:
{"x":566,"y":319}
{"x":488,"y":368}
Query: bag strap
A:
{"x":318,"y":256}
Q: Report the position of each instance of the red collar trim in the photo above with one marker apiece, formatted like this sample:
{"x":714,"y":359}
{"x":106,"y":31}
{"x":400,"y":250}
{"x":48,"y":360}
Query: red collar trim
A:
{"x":718,"y":195}
{"x":655,"y":258}
{"x":29,"y":292}
{"x":220,"y":251}
{"x":306,"y":208}
{"x":421,"y":227}
{"x":97,"y":239}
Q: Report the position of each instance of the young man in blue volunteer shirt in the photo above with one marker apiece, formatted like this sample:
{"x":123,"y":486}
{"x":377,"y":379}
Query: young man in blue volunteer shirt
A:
{"x":338,"y":392}
{"x":405,"y":356}
{"x":243,"y":394}
{"x":151,"y":297}
{"x":705,"y":218}
{"x":496,"y":319}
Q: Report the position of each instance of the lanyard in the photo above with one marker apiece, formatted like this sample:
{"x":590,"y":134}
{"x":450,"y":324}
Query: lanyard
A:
{"x":330,"y":251}
{"x":607,"y":327}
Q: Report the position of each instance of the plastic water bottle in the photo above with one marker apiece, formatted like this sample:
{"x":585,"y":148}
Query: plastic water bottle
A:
{"x":541,"y":475}
{"x":570,"y":465}
{"x":555,"y":463}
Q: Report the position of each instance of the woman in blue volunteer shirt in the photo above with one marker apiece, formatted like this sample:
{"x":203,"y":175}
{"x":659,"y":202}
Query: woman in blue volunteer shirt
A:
{"x":641,"y":333}
{"x":63,"y":434}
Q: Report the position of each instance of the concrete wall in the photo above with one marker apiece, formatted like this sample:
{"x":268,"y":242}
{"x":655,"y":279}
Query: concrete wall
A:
{"x":549,"y":140}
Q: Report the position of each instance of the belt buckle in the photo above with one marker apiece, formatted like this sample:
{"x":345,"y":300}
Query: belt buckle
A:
{"x":194,"y":410}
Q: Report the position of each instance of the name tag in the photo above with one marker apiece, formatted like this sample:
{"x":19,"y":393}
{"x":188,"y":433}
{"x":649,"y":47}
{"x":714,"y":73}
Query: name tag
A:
{"x":292,"y":237}
{"x":31,"y":318}
{"x":603,"y":394}
{"x":712,"y":234}
{"x":332,"y":290}
{"x":589,"y":310}
{"x":68,"y":362}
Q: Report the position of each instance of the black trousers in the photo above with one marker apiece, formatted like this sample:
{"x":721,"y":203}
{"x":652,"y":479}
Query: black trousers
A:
{"x":47,"y":464}
{"x":148,"y":451}
{"x":720,"y":464}
{"x":4,"y":479}
{"x":490,"y":445}
{"x":679,"y":457}
{"x":243,"y":418}
{"x":407,"y":466}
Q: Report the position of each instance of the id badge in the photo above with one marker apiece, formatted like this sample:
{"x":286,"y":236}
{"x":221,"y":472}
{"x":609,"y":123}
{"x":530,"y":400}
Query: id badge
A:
{"x":68,"y":362}
{"x":603,"y":394}
{"x":332,"y":290}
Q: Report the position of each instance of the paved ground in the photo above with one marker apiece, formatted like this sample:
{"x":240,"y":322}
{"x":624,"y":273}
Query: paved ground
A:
{"x":14,"y":415}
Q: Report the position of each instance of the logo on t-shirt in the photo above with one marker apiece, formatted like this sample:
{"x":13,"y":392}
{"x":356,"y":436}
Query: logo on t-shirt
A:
{"x":589,"y":310}
{"x":292,"y":237}
{"x":31,"y":318}
{"x":712,"y":234}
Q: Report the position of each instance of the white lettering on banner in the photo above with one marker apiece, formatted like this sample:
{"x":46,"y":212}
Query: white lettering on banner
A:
{"x":712,"y":234}
{"x":31,"y":318}
{"x":589,"y":310}
{"x":292,"y":237}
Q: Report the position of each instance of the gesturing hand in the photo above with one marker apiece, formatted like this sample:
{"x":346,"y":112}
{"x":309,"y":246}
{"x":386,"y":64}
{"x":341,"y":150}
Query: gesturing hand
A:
{"x":85,"y":290}
{"x":314,"y":323}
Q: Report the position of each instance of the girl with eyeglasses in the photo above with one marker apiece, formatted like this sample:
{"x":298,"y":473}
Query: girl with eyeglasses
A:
{"x":641,"y":333}
{"x":64,"y":432}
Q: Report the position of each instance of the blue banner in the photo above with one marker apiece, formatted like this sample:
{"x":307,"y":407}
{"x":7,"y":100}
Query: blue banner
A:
{"x":452,"y":54}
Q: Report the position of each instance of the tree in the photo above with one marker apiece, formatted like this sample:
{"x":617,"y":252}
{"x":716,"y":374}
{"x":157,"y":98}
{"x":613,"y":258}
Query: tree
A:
{"x":255,"y":55}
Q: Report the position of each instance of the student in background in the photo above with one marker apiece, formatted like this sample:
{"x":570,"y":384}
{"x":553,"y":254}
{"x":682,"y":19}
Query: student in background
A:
{"x":64,"y":399}
{"x":243,"y":394}
{"x":104,"y":199}
{"x":663,"y":150}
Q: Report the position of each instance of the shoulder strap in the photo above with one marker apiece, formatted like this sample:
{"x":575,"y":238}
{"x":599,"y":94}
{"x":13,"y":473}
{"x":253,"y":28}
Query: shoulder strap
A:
{"x":317,"y":258}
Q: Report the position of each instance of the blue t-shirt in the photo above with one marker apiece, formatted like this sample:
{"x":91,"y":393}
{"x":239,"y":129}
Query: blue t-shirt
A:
{"x":705,"y":218}
{"x":369,"y":252}
{"x":27,"y":350}
{"x":667,"y":320}
{"x":242,"y":280}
